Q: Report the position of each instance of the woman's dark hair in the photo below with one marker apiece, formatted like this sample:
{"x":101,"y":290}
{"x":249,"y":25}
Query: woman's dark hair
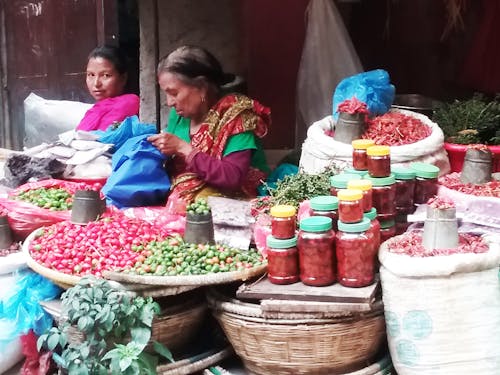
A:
{"x":192,"y":63}
{"x":112,"y":54}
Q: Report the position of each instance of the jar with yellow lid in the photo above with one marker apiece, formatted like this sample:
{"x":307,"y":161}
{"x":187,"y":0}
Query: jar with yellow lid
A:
{"x":283,"y":221}
{"x":359,"y":156}
{"x":379,"y":161}
{"x":350,"y":205}
{"x":366,"y":187}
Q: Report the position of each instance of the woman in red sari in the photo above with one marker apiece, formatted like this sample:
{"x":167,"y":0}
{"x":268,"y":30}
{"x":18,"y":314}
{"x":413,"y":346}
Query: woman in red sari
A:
{"x":214,"y":140}
{"x":106,"y":77}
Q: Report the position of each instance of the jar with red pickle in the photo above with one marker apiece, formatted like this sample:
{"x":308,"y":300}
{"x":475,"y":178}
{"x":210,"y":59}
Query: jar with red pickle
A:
{"x":325,"y":205}
{"x":359,"y":157}
{"x":316,"y":243}
{"x":283,"y":221}
{"x":379,"y":161}
{"x":282,"y":260}
{"x":384,"y":196}
{"x":387,"y":230}
{"x":375,"y":229}
{"x":402,"y":224}
{"x":350,"y":205}
{"x":354,"y":249}
{"x":339,"y":181}
{"x":405,"y":190}
{"x":426,"y":183}
{"x":366,"y":187}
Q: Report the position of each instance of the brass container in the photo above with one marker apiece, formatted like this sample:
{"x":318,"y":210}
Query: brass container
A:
{"x":440,"y":229}
{"x":5,"y":233}
{"x":199,"y":229}
{"x":477,"y":167}
{"x":349,"y":127}
{"x":87,"y":206}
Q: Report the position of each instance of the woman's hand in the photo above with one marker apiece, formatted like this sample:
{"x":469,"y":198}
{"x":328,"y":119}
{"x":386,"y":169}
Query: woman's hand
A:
{"x":169,"y":144}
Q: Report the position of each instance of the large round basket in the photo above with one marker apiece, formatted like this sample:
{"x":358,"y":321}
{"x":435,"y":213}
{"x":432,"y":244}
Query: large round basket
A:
{"x":299,"y":346}
{"x":66,"y":281}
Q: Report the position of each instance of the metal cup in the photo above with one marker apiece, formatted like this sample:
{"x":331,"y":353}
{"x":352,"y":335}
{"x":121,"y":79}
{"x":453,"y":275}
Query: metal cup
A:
{"x":440,"y":229}
{"x":349,"y":127}
{"x":87,"y":206}
{"x":5,"y":233}
{"x":199,"y":229}
{"x":477,"y":167}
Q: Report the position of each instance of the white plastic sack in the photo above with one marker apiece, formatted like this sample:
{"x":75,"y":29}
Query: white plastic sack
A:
{"x":320,"y":151}
{"x":328,"y":57}
{"x":442,"y":313}
{"x":45,"y":119}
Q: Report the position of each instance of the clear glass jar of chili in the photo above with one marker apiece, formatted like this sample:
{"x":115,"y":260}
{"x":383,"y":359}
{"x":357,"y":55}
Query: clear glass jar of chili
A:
{"x":405,"y":189}
{"x":387,"y":230}
{"x":426,"y":183}
{"x":325,"y":205}
{"x":366,"y":187}
{"x":375,"y":229}
{"x":339,"y":181}
{"x":350,"y":205}
{"x":283,"y":221}
{"x":354,"y":249}
{"x":379,"y":161}
{"x":282,"y":260}
{"x":359,"y":157}
{"x":384,"y":196}
{"x":316,"y":243}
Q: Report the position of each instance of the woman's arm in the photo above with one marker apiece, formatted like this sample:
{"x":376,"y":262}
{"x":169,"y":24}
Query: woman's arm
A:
{"x":227,"y":173}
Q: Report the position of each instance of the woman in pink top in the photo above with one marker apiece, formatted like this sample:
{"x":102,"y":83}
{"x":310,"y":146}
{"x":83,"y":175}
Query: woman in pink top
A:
{"x":106,"y":79}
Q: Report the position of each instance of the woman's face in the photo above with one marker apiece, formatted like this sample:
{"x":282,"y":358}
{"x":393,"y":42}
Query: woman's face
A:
{"x":103,"y":80}
{"x":186,"y":99}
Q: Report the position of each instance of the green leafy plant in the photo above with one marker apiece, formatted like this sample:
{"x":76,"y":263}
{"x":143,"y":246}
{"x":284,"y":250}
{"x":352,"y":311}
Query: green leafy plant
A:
{"x":475,"y":120}
{"x":116,"y":329}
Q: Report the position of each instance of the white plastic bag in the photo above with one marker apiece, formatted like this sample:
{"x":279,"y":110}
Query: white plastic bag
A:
{"x":328,"y":57}
{"x":442,"y":313}
{"x":45,"y":119}
{"x":320,"y":151}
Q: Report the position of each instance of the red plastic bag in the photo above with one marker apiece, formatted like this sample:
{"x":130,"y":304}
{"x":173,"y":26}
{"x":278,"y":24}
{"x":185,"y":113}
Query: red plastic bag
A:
{"x":159,"y":216}
{"x":25,"y":217}
{"x":35,"y":363}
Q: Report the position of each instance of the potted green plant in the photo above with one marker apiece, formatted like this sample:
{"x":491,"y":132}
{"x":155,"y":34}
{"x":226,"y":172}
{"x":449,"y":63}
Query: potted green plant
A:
{"x":104,"y":331}
{"x":471,"y":121}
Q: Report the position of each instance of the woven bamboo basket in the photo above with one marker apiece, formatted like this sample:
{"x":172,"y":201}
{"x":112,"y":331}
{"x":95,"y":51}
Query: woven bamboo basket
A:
{"x":299,"y":346}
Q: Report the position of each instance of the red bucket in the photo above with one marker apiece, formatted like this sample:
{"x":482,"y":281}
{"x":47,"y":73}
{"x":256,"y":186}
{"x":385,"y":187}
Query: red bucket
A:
{"x":456,"y":155}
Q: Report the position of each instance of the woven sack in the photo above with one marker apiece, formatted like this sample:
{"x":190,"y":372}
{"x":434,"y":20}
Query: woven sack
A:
{"x":320,"y":151}
{"x":442,"y":313}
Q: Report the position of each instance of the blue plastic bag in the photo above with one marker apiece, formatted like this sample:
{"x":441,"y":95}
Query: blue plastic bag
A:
{"x":138,"y":177}
{"x":373,"y":88}
{"x":21,"y":307}
{"x":129,"y":128}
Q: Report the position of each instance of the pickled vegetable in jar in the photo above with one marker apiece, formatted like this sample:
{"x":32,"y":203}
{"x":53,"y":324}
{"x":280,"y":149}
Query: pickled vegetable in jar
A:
{"x":366,"y":187}
{"x":283,"y":221}
{"x":384,"y":196}
{"x":340,"y":181}
{"x":282,"y":260}
{"x":350,"y":205}
{"x":426,"y":183}
{"x":387,"y":230}
{"x":379,"y":161}
{"x":359,"y":156}
{"x":358,"y":172}
{"x":354,"y":249}
{"x":405,"y":189}
{"x":325,"y":205}
{"x":316,"y":243}
{"x":375,"y":229}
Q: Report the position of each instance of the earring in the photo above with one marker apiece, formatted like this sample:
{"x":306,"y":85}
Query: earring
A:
{"x":203,"y":99}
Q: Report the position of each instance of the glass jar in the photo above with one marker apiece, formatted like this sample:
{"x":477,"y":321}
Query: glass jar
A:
{"x":384,"y":196}
{"x":426,"y":183}
{"x":354,"y":249}
{"x":282,"y":260}
{"x":379,"y":161}
{"x":350,"y":205}
{"x":316,"y":243}
{"x":366,"y":187}
{"x":375,"y":229}
{"x":360,"y":173}
{"x":402,"y":224}
{"x":325,"y":205}
{"x":339,"y":181}
{"x":359,"y":157}
{"x":405,"y":189}
{"x":283,"y":221}
{"x":387,"y":230}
